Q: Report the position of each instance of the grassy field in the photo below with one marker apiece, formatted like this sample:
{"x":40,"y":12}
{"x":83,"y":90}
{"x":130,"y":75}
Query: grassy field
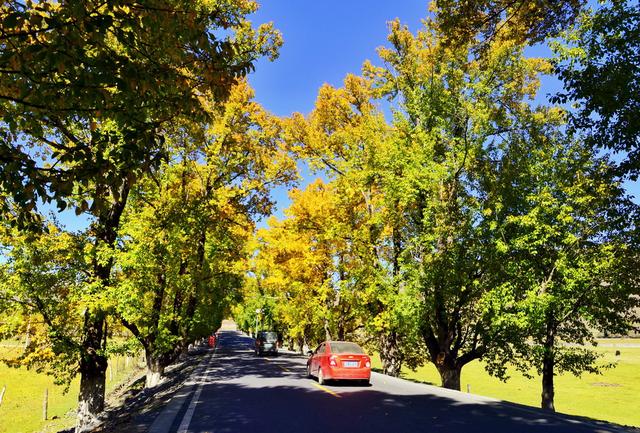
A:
{"x":21,"y":408}
{"x":612,"y":396}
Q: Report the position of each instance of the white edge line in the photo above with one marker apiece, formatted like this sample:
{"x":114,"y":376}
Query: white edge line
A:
{"x":186,"y":419}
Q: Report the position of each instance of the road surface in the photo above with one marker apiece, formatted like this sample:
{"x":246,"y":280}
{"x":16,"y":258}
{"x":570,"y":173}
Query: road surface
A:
{"x":235,"y":391}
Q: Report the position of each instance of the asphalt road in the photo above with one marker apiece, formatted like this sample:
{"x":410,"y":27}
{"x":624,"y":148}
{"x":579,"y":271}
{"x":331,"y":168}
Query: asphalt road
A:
{"x":235,"y":391}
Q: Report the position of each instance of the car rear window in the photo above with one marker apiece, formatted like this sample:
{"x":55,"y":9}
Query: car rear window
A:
{"x":342,"y":347}
{"x":270,"y":337}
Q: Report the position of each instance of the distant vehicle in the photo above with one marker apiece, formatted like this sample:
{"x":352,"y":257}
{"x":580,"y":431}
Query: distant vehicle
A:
{"x":339,"y":360}
{"x":266,"y":342}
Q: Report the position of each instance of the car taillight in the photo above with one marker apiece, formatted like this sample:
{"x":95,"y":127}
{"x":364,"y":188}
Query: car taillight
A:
{"x":367,"y":363}
{"x":333,"y":361}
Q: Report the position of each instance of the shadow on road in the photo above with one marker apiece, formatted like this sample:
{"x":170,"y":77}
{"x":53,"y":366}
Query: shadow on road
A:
{"x":237,"y":408}
{"x":245,"y":393}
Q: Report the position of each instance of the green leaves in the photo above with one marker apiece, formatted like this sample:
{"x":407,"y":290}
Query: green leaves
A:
{"x":88,"y":92}
{"x":599,"y":68}
{"x":462,"y":228}
{"x":82,"y":71}
{"x":185,"y":228}
{"x":45,"y":289}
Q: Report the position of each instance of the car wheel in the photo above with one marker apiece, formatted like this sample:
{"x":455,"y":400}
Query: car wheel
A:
{"x":321,"y":379}
{"x":309,"y":371}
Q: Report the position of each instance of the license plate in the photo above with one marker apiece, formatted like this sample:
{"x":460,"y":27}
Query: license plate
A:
{"x":350,"y":363}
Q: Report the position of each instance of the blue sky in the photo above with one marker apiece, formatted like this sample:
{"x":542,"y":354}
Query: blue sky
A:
{"x":323,"y":42}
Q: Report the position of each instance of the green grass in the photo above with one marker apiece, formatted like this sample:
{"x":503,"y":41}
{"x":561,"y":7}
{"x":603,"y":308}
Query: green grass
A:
{"x":21,"y":408}
{"x":612,"y":396}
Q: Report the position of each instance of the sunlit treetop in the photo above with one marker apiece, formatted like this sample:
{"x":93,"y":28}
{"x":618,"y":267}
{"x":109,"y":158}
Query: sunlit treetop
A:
{"x":520,"y":20}
{"x":86,"y":87}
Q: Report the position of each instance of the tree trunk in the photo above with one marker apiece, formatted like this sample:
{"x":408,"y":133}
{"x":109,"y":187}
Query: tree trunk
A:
{"x":27,"y":340}
{"x":93,"y":367}
{"x":547,"y":383}
{"x":93,"y":362}
{"x":92,"y":389}
{"x":548,"y":367}
{"x":327,"y":332}
{"x":155,"y":370}
{"x":390,"y":354}
{"x":450,"y":376}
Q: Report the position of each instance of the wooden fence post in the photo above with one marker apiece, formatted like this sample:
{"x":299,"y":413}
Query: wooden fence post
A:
{"x":45,"y":404}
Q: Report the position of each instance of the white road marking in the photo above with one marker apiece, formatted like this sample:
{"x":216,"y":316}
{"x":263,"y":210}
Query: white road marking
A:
{"x":186,"y":420}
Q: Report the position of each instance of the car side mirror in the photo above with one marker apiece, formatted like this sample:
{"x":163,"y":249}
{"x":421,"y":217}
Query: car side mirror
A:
{"x":310,"y":353}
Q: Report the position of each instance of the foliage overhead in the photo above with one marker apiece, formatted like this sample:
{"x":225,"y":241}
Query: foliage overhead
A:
{"x":85,"y":87}
{"x":599,"y":64}
{"x":521,"y":21}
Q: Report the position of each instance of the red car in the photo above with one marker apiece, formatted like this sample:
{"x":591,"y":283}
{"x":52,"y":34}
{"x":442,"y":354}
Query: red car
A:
{"x":339,"y":360}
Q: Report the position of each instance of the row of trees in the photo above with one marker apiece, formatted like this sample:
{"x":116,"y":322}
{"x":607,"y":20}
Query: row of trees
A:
{"x":135,"y":116}
{"x":459,"y":220}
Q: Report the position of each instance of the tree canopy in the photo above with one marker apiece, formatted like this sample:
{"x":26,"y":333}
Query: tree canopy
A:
{"x":454,"y":217}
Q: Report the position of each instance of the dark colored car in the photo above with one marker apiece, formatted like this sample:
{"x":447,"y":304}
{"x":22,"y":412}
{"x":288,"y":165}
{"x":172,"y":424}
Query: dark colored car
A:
{"x":339,"y":360}
{"x":267,"y":342}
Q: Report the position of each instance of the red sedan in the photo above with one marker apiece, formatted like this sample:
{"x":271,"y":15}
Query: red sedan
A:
{"x":339,"y":360}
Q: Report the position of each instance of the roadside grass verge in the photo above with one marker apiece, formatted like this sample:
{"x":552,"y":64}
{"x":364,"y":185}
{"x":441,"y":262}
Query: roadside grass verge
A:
{"x":612,"y":396}
{"x":22,"y":406}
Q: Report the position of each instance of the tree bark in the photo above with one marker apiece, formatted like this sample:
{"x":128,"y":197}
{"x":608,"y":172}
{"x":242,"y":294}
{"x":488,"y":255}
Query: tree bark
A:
{"x":327,"y":332}
{"x":155,"y":370}
{"x":450,"y":376}
{"x":93,"y":367}
{"x":93,"y":362}
{"x":548,"y":367}
{"x":390,"y":354}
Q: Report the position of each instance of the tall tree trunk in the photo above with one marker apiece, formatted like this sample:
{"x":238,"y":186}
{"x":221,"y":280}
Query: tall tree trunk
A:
{"x":93,"y":367}
{"x":93,"y":362}
{"x":548,"y":367}
{"x":450,"y":376}
{"x":155,"y":369}
{"x":390,"y":354}
{"x":547,"y":383}
{"x":327,"y":332}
